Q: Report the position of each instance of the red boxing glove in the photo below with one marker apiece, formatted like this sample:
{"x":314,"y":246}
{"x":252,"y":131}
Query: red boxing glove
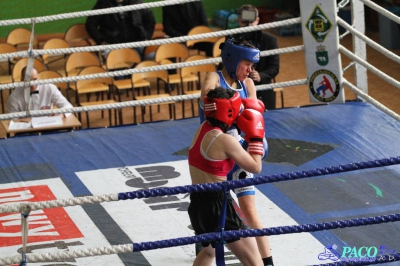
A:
{"x":251,"y":122}
{"x":255,"y":104}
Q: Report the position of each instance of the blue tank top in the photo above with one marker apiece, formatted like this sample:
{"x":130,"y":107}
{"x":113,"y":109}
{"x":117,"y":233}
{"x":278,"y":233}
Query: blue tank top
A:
{"x":241,"y":90}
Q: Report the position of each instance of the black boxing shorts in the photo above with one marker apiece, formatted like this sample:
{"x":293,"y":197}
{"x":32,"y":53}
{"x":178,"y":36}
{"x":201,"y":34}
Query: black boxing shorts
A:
{"x":204,"y":211}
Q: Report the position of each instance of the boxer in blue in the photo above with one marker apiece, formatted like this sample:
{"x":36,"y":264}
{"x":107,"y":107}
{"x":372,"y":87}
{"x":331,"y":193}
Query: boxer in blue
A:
{"x":238,"y":58}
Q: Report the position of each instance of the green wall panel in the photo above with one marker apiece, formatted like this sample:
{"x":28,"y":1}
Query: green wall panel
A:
{"x":28,"y":9}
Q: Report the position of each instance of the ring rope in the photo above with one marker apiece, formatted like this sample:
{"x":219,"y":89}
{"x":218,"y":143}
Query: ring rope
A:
{"x":144,"y":246}
{"x":62,"y":256}
{"x":370,"y":42}
{"x":382,"y":11}
{"x":144,"y":69}
{"x":96,"y":48}
{"x":131,"y":71}
{"x":370,"y":67}
{"x":371,"y":100}
{"x":345,"y":82}
{"x":283,"y":84}
{"x":133,"y":103}
{"x":128,"y":72}
{"x":95,"y":12}
{"x":204,"y":187}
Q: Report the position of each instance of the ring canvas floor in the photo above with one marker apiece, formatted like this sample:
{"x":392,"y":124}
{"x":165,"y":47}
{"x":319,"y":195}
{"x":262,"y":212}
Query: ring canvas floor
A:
{"x":129,"y":158}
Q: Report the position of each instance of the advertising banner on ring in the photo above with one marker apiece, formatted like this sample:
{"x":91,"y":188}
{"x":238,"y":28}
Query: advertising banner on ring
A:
{"x":321,"y":43}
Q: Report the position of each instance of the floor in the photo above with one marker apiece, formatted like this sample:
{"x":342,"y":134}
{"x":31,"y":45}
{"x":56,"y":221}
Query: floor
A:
{"x":305,"y":152}
{"x":289,"y":70}
{"x":114,"y":160}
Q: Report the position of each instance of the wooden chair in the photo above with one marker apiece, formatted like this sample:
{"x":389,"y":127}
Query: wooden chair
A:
{"x":159,"y":27}
{"x":119,"y":60}
{"x":144,"y":79}
{"x":191,"y":75}
{"x":95,"y":86}
{"x":159,"y":31}
{"x":200,"y":30}
{"x":172,"y":53}
{"x":6,"y":48}
{"x":122,"y":59}
{"x":216,"y":50}
{"x":76,"y":35}
{"x":171,"y":106}
{"x":149,"y":52}
{"x":75,"y":63}
{"x":139,"y":83}
{"x":20,"y":38}
{"x":54,"y":43}
{"x":52,"y":74}
{"x":280,"y":91}
{"x":16,"y":72}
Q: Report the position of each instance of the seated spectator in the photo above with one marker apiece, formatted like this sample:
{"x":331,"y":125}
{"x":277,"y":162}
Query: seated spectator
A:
{"x":43,"y":96}
{"x":179,"y":19}
{"x":122,"y":27}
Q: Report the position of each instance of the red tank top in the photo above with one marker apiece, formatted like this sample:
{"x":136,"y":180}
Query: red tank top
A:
{"x":199,"y":159}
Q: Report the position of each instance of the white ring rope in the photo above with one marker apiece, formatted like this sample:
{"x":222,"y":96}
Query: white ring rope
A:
{"x":145,"y":69}
{"x":135,"y":103}
{"x":63,"y":256}
{"x":382,"y":11}
{"x":32,"y":53}
{"x":370,"y":42}
{"x":25,"y":208}
{"x":371,"y":100}
{"x":171,"y":40}
{"x":370,"y":67}
{"x":33,"y":206}
{"x":93,"y":12}
{"x":96,"y":48}
{"x":137,"y":70}
{"x":282,"y":84}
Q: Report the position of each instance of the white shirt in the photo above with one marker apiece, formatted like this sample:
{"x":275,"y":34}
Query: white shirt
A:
{"x":48,"y":96}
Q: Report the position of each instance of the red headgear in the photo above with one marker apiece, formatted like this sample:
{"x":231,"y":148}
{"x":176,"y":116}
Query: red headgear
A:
{"x":224,"y":110}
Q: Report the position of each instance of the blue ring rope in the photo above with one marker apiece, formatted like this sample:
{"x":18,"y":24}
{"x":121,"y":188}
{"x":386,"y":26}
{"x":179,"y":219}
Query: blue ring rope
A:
{"x":269,"y":231}
{"x":280,"y":230}
{"x":155,"y":192}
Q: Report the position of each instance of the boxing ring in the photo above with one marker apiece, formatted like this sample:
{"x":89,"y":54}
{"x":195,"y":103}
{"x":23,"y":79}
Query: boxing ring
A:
{"x":118,"y":196}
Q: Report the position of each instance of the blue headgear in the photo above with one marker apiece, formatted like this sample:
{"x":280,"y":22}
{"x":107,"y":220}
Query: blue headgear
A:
{"x":233,"y":53}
